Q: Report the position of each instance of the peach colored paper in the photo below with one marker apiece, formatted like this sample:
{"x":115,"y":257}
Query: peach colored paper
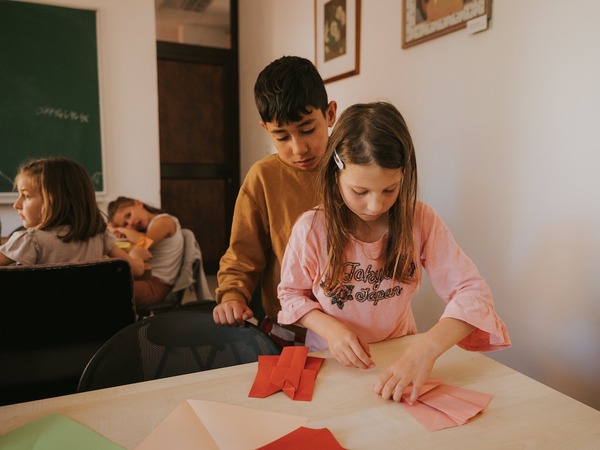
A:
{"x":442,"y":406}
{"x":207,"y":425}
{"x":293,"y":372}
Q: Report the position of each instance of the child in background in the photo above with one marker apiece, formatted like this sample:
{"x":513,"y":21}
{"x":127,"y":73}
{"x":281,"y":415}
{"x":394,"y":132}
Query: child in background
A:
{"x":61,"y":219}
{"x":353,"y":264}
{"x":134,"y":220}
{"x":294,"y":110}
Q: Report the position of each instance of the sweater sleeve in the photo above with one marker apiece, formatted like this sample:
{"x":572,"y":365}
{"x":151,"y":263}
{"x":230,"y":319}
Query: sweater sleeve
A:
{"x":456,"y":279}
{"x":245,"y":258}
{"x":300,"y":270}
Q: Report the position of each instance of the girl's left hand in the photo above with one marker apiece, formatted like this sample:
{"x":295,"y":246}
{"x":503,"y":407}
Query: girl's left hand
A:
{"x":411,"y":369}
{"x":141,"y":253}
{"x":128,"y":233}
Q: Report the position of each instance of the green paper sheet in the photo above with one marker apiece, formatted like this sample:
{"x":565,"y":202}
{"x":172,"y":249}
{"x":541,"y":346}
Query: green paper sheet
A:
{"x":55,"y":432}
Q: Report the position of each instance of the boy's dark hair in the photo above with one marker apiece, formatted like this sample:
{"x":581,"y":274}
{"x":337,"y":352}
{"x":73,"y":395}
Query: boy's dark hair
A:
{"x":288,"y":88}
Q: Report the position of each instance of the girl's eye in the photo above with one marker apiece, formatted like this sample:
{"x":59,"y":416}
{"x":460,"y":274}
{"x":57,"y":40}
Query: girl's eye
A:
{"x":360,"y":193}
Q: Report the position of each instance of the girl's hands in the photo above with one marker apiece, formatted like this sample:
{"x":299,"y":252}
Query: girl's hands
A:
{"x":127,"y":233}
{"x":415,"y":364}
{"x":141,"y":253}
{"x":411,"y":369}
{"x":344,"y":344}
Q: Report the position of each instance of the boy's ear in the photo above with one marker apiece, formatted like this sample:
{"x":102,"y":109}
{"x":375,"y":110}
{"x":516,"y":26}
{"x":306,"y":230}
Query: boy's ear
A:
{"x":263,"y":124}
{"x":331,"y":113}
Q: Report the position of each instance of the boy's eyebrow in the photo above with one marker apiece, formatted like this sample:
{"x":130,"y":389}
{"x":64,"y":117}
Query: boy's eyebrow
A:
{"x":303,"y":123}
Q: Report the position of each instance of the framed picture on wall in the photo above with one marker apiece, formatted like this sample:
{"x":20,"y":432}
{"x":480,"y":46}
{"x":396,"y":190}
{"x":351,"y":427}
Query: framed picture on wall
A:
{"x":427,"y":19}
{"x":337,"y":38}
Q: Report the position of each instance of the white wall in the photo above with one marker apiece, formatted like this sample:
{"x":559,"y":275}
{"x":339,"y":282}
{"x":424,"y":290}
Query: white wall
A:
{"x":504,"y":122}
{"x":129,"y":100}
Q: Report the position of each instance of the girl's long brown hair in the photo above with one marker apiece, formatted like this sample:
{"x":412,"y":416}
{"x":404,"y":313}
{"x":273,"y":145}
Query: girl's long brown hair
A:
{"x":370,"y":133}
{"x":120,"y":202}
{"x":68,"y":197}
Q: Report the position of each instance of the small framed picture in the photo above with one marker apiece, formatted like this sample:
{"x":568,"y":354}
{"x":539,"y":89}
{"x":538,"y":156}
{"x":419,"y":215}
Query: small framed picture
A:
{"x":337,"y":38}
{"x":427,"y":19}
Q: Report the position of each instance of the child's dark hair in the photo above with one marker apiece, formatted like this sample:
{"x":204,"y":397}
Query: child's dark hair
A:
{"x":288,"y":88}
{"x":120,"y":202}
{"x":68,"y":197}
{"x":371,"y":133}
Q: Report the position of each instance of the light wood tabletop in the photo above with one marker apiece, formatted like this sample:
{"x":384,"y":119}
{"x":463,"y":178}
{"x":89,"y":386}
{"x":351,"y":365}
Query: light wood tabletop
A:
{"x":522,"y":414}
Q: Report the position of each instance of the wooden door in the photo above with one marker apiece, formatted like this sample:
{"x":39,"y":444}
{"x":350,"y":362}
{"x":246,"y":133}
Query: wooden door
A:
{"x":199,"y":141}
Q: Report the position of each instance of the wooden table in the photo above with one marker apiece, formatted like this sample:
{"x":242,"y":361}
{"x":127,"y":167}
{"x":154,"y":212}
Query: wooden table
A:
{"x":523,"y":414}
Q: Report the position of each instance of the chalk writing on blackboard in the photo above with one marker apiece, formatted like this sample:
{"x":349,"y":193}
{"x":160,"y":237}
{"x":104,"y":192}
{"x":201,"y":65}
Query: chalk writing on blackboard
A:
{"x":63,"y":114}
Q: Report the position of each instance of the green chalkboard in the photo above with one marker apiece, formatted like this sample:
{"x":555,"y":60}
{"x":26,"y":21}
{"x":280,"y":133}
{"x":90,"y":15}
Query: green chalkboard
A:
{"x":49,"y":89}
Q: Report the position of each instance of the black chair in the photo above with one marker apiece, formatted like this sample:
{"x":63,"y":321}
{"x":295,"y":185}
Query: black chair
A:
{"x":173,"y":343}
{"x":54,"y":319}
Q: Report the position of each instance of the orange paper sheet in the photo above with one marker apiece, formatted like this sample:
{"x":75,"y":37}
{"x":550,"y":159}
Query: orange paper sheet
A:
{"x":293,"y":372}
{"x":442,"y":406}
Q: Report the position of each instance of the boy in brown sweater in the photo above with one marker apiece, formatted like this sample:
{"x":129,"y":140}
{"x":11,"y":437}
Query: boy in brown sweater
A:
{"x":294,"y":109}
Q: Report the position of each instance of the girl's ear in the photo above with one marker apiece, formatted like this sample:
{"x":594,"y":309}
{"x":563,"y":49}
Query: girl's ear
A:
{"x":137,"y":203}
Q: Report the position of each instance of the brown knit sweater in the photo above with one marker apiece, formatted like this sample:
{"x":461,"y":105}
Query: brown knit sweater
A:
{"x":270,"y":200}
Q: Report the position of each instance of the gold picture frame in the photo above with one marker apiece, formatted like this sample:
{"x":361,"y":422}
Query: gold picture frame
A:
{"x":424,"y":20}
{"x":337,"y":38}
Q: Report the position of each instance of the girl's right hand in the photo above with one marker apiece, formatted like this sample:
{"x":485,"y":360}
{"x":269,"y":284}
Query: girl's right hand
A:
{"x":345,"y":345}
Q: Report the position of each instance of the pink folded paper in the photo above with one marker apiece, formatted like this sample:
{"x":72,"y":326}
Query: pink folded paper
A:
{"x":303,"y":438}
{"x":442,"y":406}
{"x":293,"y":372}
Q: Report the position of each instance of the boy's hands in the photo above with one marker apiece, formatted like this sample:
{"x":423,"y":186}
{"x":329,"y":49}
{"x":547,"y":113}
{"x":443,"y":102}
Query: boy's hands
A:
{"x":233,"y":312}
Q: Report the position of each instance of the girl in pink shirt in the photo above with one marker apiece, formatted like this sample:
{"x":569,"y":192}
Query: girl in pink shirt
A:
{"x":353,"y":264}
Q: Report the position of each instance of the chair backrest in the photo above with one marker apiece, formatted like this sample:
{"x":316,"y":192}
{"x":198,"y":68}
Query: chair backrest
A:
{"x":191,"y":281}
{"x":54,"y":318}
{"x":173,"y":343}
{"x":191,"y":284}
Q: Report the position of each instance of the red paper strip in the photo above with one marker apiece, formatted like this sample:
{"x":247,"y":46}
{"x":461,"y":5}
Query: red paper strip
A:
{"x":303,"y":438}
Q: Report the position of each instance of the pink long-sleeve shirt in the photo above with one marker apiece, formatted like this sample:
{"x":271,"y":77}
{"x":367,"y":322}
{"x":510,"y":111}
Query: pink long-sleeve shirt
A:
{"x":377,"y":307}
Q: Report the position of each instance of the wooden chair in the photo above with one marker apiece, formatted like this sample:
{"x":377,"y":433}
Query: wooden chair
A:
{"x":54,"y":318}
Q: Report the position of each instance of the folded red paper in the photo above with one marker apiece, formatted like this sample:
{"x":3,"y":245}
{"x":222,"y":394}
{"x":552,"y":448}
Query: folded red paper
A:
{"x":303,"y":438}
{"x":293,"y":372}
{"x":442,"y":406}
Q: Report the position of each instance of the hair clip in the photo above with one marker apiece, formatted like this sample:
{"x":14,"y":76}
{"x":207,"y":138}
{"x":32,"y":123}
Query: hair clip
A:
{"x":337,"y":160}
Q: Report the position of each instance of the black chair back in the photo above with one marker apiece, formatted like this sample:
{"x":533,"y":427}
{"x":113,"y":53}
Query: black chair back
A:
{"x":173,"y":343}
{"x":54,"y":318}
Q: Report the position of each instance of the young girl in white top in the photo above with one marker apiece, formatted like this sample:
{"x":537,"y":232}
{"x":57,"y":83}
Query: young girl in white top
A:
{"x":61,"y":219}
{"x":134,"y":220}
{"x":353,"y":264}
